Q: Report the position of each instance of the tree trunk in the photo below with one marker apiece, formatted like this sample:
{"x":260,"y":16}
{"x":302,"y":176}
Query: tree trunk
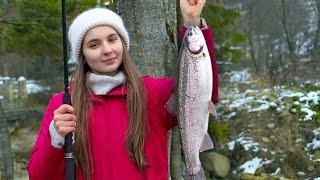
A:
{"x":252,"y":53}
{"x":152,"y":27}
{"x":6,"y":161}
{"x":176,"y":166}
{"x":315,"y":53}
{"x":153,"y":37}
{"x":289,"y":35}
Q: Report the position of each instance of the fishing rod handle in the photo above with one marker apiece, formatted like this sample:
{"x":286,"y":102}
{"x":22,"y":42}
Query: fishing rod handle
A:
{"x":68,"y":156}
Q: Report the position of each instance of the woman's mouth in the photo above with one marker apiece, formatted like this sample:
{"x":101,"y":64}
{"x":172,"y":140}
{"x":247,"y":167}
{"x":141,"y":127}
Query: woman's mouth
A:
{"x":109,"y":61}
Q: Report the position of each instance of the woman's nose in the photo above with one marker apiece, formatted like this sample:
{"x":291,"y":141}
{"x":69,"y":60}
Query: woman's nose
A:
{"x":106,"y":48}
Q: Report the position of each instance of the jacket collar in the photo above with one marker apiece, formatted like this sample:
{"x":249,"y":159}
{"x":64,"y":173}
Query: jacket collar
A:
{"x":117,"y":91}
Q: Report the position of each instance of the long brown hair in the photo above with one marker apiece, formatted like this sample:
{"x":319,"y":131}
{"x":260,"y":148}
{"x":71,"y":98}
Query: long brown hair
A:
{"x":136,"y":104}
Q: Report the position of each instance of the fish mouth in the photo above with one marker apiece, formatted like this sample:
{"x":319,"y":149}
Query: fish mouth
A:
{"x":196,"y":52}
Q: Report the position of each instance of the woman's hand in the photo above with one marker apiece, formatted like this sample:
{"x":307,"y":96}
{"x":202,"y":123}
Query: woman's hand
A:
{"x":191,"y":11}
{"x":64,"y":120}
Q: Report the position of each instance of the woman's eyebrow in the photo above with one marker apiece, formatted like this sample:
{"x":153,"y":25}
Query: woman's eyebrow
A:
{"x":110,"y":35}
{"x":113,"y":34}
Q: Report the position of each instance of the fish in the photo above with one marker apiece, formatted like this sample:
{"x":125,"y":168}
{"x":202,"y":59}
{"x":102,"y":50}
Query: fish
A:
{"x":191,"y":101}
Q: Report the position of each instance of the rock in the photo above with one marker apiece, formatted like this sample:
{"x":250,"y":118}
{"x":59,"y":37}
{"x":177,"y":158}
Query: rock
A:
{"x":293,"y":110}
{"x":251,"y":94}
{"x":207,"y":173}
{"x":285,"y":114}
{"x":317,"y":155}
{"x":272,"y":137}
{"x":288,"y":100}
{"x":265,"y":139}
{"x":296,"y":103}
{"x":280,"y":151}
{"x":250,"y":125}
{"x":225,"y":101}
{"x":301,"y":174}
{"x":253,"y":177}
{"x":218,"y":164}
{"x":311,"y":168}
{"x":271,"y":125}
{"x":247,"y":177}
{"x":273,"y":105}
{"x":279,"y":177}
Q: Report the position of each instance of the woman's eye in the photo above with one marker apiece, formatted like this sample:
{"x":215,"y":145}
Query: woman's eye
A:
{"x":113,"y":39}
{"x":93,"y":45}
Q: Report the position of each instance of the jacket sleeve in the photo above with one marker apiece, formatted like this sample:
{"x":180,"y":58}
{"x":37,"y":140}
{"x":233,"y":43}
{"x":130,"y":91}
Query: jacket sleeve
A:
{"x":159,"y":92}
{"x":165,"y":88}
{"x":46,"y":162}
{"x":208,"y":35}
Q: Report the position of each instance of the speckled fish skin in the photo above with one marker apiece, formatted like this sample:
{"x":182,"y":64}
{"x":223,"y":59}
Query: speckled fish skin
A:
{"x":194,"y":95}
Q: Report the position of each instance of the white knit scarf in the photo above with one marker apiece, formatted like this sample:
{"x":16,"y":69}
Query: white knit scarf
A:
{"x":102,"y":84}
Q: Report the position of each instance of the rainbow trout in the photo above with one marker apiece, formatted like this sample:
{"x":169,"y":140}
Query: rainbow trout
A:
{"x":192,"y":100}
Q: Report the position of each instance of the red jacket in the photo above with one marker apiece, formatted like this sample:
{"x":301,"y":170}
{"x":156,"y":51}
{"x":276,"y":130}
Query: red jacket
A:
{"x":108,"y":122}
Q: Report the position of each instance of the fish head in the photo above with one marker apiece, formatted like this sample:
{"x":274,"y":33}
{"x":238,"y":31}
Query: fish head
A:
{"x":195,"y":41}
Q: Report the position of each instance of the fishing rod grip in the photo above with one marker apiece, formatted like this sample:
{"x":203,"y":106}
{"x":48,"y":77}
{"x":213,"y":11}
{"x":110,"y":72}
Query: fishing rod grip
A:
{"x":68,"y":155}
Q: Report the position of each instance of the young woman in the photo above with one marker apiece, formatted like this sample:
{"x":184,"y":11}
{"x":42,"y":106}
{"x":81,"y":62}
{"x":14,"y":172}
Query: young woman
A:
{"x":119,"y":119}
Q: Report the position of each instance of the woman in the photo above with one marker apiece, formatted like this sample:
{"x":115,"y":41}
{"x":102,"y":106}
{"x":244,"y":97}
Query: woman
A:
{"x":119,"y":119}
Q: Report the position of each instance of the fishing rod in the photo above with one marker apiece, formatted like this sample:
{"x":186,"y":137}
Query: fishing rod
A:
{"x":68,"y":155}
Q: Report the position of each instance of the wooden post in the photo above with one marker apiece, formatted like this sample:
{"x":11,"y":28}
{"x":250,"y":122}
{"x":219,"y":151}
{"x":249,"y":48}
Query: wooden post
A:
{"x":22,"y":87}
{"x":8,"y":89}
{"x":6,"y":159}
{"x":1,"y":89}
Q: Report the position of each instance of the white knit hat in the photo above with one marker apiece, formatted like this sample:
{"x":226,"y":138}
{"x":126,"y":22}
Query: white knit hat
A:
{"x":90,"y":19}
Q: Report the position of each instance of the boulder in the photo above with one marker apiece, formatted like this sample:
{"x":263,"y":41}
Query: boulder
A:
{"x":216,"y":163}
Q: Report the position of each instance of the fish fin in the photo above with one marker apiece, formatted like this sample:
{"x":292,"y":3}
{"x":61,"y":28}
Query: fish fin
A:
{"x":200,"y":176}
{"x":206,"y":143}
{"x":212,"y":109}
{"x":171,"y":105}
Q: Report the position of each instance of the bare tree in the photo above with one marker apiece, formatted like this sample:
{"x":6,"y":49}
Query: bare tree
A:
{"x":261,"y":26}
{"x":278,"y":36}
{"x":249,"y":30}
{"x":316,"y":45}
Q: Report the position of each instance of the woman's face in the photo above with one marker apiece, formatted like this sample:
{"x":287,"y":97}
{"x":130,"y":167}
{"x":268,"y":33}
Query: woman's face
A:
{"x":102,"y":49}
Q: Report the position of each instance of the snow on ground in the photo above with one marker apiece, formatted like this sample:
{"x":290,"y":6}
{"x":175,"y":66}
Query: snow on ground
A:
{"x":255,"y":100}
{"x":313,"y":145}
{"x":252,"y":100}
{"x":21,"y":78}
{"x":316,"y":132}
{"x":2,"y":78}
{"x":309,"y":114}
{"x":247,"y":142}
{"x":240,"y":76}
{"x":33,"y":87}
{"x":252,"y":165}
